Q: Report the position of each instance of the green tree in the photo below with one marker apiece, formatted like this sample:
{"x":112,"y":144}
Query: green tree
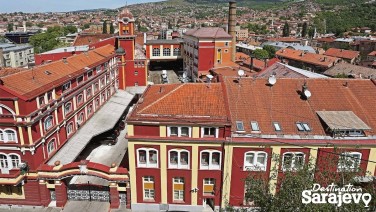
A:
{"x":29,"y":24}
{"x":10,"y":27}
{"x":260,"y":54}
{"x":70,"y":30}
{"x":286,"y":30}
{"x":104,"y":27}
{"x":112,"y":29}
{"x":86,"y":26}
{"x":271,"y":50}
{"x":311,"y":32}
{"x":304,"y":29}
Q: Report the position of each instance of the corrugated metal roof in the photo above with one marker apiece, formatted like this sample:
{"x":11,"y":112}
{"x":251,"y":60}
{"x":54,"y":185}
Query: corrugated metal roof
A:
{"x":342,"y":120}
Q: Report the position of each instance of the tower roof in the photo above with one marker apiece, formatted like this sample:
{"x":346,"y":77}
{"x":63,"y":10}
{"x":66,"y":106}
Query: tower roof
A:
{"x":125,"y":13}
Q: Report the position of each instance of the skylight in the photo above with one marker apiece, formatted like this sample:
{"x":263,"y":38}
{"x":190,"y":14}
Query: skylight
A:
{"x":239,"y":126}
{"x":255,"y":126}
{"x":277,"y":127}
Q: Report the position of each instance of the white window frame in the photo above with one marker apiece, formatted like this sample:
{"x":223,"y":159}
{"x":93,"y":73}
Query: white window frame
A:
{"x":255,"y":127}
{"x":6,"y":137}
{"x":255,"y":166}
{"x":179,"y":131}
{"x":156,"y":52}
{"x":82,"y":99}
{"x":83,"y":80}
{"x":80,"y":118}
{"x":4,"y":162}
{"x":303,"y":127}
{"x":52,"y":143}
{"x":208,"y":181}
{"x":69,"y":130}
{"x":9,"y":162}
{"x":277,"y":126}
{"x":237,"y":128}
{"x":67,"y":86}
{"x":216,"y":133}
{"x":92,"y":74}
{"x":210,"y":165}
{"x":65,"y":108}
{"x":293,"y":161}
{"x":89,"y":92}
{"x":149,"y":194}
{"x":349,"y":158}
{"x":50,"y":117}
{"x":179,"y":165}
{"x":18,"y":160}
{"x":178,"y":180}
{"x":147,"y":163}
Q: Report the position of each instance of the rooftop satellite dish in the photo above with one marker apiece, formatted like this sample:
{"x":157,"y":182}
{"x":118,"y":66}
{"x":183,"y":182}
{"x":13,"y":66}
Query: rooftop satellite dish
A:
{"x":241,"y":73}
{"x":185,"y":75}
{"x":272,"y":80}
{"x":307,"y":93}
{"x":209,"y":76}
{"x":164,"y":72}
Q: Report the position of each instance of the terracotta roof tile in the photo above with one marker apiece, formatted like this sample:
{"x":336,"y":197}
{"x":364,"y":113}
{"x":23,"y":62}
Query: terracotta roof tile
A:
{"x":87,"y":39}
{"x":35,"y":81}
{"x":254,"y":100}
{"x":372,"y":53}
{"x":342,"y":53}
{"x":208,"y":32}
{"x":310,"y":58}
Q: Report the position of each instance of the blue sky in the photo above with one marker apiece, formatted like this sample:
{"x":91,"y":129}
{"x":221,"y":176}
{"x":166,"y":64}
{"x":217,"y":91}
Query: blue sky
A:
{"x":7,"y":6}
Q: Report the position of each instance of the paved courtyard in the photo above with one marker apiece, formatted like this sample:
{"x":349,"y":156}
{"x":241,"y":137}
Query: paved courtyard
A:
{"x":156,"y":77}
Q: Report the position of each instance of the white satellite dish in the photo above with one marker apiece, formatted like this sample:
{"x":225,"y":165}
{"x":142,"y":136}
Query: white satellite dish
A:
{"x":307,"y":93}
{"x":241,"y":73}
{"x":209,"y":76}
{"x":164,"y":72}
{"x":185,"y":75}
{"x":272,"y":80}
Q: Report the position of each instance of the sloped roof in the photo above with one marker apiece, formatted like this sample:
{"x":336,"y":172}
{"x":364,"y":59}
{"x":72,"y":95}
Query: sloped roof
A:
{"x":181,"y":102}
{"x":285,"y":71}
{"x":342,"y":120}
{"x":310,"y":58}
{"x":342,"y":53}
{"x":351,"y":70}
{"x":253,"y":100}
{"x":36,"y":81}
{"x":88,"y":39}
{"x":208,"y":32}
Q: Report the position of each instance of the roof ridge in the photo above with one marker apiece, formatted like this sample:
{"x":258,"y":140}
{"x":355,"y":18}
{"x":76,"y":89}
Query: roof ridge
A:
{"x":167,"y":94}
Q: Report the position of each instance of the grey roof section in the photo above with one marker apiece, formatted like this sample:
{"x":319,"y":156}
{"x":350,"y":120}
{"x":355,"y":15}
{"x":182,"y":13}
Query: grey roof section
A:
{"x":351,"y":70}
{"x":342,"y":120}
{"x":285,"y":71}
{"x":105,"y":119}
{"x":136,"y":89}
{"x":296,"y":46}
{"x":6,"y":45}
{"x":162,"y":41}
{"x":68,"y":49}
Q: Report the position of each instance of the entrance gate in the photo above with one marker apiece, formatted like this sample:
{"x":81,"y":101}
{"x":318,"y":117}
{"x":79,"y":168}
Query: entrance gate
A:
{"x":88,"y":192}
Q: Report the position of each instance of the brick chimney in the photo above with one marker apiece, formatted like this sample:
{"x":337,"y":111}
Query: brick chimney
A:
{"x":231,"y":27}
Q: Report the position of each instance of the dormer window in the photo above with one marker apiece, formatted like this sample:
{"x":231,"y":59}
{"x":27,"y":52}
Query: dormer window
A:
{"x":66,"y":86}
{"x":239,"y":126}
{"x":180,"y":131}
{"x":80,"y":79}
{"x":209,"y":132}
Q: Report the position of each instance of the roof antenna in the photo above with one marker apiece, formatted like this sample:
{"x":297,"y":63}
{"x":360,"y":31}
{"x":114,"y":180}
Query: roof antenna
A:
{"x":240,"y":74}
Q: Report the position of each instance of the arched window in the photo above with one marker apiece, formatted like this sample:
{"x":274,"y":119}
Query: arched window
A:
{"x":80,"y":99}
{"x":90,"y":109}
{"x":255,"y":161}
{"x":67,"y":107}
{"x":147,"y":157}
{"x":4,"y":161}
{"x":15,"y":160}
{"x":51,"y":146}
{"x":210,"y":159}
{"x":69,"y":128}
{"x":48,"y":123}
{"x":6,"y":110}
{"x":80,"y":118}
{"x":178,"y":159}
{"x":88,"y":92}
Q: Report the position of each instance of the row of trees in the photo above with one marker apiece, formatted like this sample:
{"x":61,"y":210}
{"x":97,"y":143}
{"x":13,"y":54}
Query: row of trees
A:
{"x":112,"y":29}
{"x":47,"y":41}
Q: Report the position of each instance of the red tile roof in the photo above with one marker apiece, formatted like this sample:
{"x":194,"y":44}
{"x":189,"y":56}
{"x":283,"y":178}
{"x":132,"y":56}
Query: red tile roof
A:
{"x":326,"y":40}
{"x":342,"y":53}
{"x":88,"y":39}
{"x":372,"y":53}
{"x":284,"y":39}
{"x":208,"y":32}
{"x":253,"y":100}
{"x":181,"y":102}
{"x":310,"y":58}
{"x":9,"y":71}
{"x":36,"y":81}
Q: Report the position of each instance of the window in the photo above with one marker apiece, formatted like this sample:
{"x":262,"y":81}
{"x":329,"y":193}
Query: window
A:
{"x":80,"y":79}
{"x":178,"y":188}
{"x":239,"y":126}
{"x":135,"y":73}
{"x":80,"y":118}
{"x":98,"y":69}
{"x":96,"y":87}
{"x":147,"y":158}
{"x":184,"y":131}
{"x":292,"y":161}
{"x":67,"y":108}
{"x":49,"y":96}
{"x":4,"y":161}
{"x":80,"y":99}
{"x":51,"y":146}
{"x":179,"y":131}
{"x":148,"y":183}
{"x":179,"y":159}
{"x":177,"y":52}
{"x":226,"y":43}
{"x":156,"y":52}
{"x":209,"y":132}
{"x":70,"y":128}
{"x":277,"y":127}
{"x":166,"y":52}
{"x":303,"y":127}
{"x":88,"y":92}
{"x":41,"y":100}
{"x":2,"y":137}
{"x":349,"y":161}
{"x":173,"y":131}
{"x":209,"y":184}
{"x":66,"y":86}
{"x":136,"y":84}
{"x":15,"y":160}
{"x":255,"y":127}
{"x":90,"y":109}
{"x":210,"y":159}
{"x":90,"y":74}
{"x":103,"y":83}
{"x":11,"y":135}
{"x":255,"y":161}
{"x":48,"y":123}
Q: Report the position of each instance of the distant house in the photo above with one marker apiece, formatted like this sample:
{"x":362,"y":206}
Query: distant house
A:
{"x":351,"y":71}
{"x":295,"y":46}
{"x":347,"y":55}
{"x":371,"y":56}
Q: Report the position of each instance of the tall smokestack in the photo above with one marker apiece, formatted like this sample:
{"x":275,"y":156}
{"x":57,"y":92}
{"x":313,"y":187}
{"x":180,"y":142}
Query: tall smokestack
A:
{"x":24,"y":26}
{"x":231,"y":27}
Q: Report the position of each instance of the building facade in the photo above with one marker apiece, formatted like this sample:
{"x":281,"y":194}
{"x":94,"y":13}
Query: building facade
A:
{"x":40,"y":110}
{"x":15,"y":56}
{"x":191,"y":145}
